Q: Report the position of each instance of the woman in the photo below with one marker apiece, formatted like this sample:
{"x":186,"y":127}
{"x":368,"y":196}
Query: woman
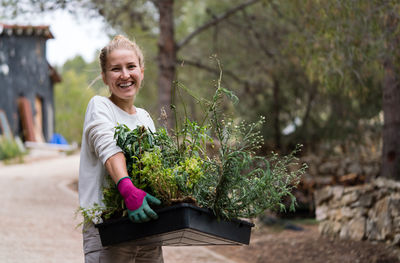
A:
{"x":122,"y":67}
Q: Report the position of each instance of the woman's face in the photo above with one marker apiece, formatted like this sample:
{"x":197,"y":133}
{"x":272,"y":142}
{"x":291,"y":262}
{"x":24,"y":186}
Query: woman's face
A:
{"x":123,"y":73}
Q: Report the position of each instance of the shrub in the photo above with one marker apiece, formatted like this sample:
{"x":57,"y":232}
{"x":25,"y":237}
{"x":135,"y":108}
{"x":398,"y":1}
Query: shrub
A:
{"x":9,"y":149}
{"x":176,"y":167}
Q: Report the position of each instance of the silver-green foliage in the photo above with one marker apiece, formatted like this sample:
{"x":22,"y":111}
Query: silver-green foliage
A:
{"x":240,"y":183}
{"x":234,"y":182}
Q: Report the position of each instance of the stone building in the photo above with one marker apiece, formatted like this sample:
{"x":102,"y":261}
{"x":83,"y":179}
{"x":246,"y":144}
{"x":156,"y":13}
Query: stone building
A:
{"x":26,"y":82}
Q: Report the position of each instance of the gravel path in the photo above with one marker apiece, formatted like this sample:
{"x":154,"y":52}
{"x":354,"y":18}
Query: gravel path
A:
{"x":37,"y":222}
{"x":37,"y":216}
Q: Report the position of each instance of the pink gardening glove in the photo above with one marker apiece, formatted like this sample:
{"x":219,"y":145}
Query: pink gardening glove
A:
{"x":137,"y":201}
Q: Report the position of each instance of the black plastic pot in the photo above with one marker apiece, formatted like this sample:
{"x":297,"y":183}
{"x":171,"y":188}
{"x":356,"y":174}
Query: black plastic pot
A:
{"x":178,"y":225}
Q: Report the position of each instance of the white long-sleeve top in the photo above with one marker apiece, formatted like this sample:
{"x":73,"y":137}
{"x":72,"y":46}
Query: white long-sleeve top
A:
{"x":98,"y":144}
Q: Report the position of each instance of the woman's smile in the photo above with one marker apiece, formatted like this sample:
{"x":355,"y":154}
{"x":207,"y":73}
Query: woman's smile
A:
{"x":125,"y":85}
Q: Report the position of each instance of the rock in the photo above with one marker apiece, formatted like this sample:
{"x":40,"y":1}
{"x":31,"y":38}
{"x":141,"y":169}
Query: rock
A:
{"x":321,"y":181}
{"x":396,"y":224}
{"x":357,"y":188}
{"x":351,"y":179}
{"x":346,"y":162}
{"x":337,"y":192}
{"x":360,"y":212}
{"x":350,"y":198}
{"x":354,"y":168}
{"x":321,"y":213}
{"x":381,"y":193}
{"x":365,"y":200}
{"x":387,"y":183}
{"x":354,"y":229}
{"x":380,"y":216}
{"x":292,"y":227}
{"x":322,"y":195}
{"x":376,"y":170}
{"x":372,"y":230}
{"x":344,"y":232}
{"x":329,"y":228}
{"x":396,"y":240}
{"x":369,"y":170}
{"x":369,"y":211}
{"x":357,"y":227}
{"x":344,"y":214}
{"x":341,"y":171}
{"x":329,"y":167}
{"x":394,"y":205}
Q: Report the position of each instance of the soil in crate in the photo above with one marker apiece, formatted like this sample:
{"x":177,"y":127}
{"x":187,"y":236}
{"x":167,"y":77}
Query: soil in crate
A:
{"x":179,"y":225}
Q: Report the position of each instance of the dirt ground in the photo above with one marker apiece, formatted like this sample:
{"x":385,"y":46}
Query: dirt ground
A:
{"x":275,"y":244}
{"x":269,"y":244}
{"x":37,"y":224}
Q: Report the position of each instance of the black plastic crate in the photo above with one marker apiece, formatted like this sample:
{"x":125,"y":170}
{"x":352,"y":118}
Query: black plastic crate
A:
{"x":179,"y":225}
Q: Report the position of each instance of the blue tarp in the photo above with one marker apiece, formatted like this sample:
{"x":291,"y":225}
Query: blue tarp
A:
{"x":58,"y":139}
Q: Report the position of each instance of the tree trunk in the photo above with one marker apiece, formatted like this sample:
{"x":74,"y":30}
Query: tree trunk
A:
{"x":166,"y":57}
{"x":311,"y":95}
{"x":391,"y":127}
{"x":391,"y":103}
{"x":276,"y":114}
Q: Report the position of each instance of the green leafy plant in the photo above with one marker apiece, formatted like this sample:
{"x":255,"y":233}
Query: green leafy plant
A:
{"x":177,"y":167}
{"x":157,"y":165}
{"x":9,"y":149}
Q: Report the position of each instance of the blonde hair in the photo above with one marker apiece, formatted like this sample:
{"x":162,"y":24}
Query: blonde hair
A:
{"x":120,"y":42}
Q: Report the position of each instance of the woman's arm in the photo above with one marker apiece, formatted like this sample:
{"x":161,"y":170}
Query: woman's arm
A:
{"x":116,"y":167}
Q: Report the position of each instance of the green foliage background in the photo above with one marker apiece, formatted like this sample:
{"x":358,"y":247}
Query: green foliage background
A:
{"x":72,"y":96}
{"x":314,"y":65}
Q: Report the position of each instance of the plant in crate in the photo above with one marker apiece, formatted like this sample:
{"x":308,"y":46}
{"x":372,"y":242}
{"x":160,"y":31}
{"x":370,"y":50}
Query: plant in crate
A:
{"x":179,"y":167}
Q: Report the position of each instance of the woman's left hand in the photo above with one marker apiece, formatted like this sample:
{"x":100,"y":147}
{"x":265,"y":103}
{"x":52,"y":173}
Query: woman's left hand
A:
{"x":144,"y":213}
{"x":137,"y":201}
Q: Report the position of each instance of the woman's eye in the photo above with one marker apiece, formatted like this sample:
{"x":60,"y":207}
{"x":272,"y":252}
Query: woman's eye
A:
{"x":114,"y":69}
{"x":131,"y":66}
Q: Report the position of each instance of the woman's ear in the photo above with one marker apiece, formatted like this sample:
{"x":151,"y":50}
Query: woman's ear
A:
{"x":142,"y":73}
{"x":103,"y":76}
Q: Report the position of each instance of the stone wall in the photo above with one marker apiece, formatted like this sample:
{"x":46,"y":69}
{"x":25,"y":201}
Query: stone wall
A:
{"x":369,"y":211}
{"x":332,"y":169}
{"x":327,"y":171}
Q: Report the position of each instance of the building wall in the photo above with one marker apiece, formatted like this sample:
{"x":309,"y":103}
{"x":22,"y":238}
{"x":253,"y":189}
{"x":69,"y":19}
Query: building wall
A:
{"x":24,"y":71}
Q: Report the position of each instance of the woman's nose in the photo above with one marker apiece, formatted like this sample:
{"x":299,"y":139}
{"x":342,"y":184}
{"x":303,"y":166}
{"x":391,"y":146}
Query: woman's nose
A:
{"x":124,"y":73}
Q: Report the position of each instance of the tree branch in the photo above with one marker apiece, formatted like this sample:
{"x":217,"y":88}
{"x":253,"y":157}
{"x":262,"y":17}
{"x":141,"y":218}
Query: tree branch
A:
{"x":214,"y":21}
{"x":258,"y":37}
{"x":215,"y":71}
{"x":248,"y":86}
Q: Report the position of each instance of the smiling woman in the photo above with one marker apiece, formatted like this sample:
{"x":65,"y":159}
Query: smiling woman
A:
{"x":122,"y":69}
